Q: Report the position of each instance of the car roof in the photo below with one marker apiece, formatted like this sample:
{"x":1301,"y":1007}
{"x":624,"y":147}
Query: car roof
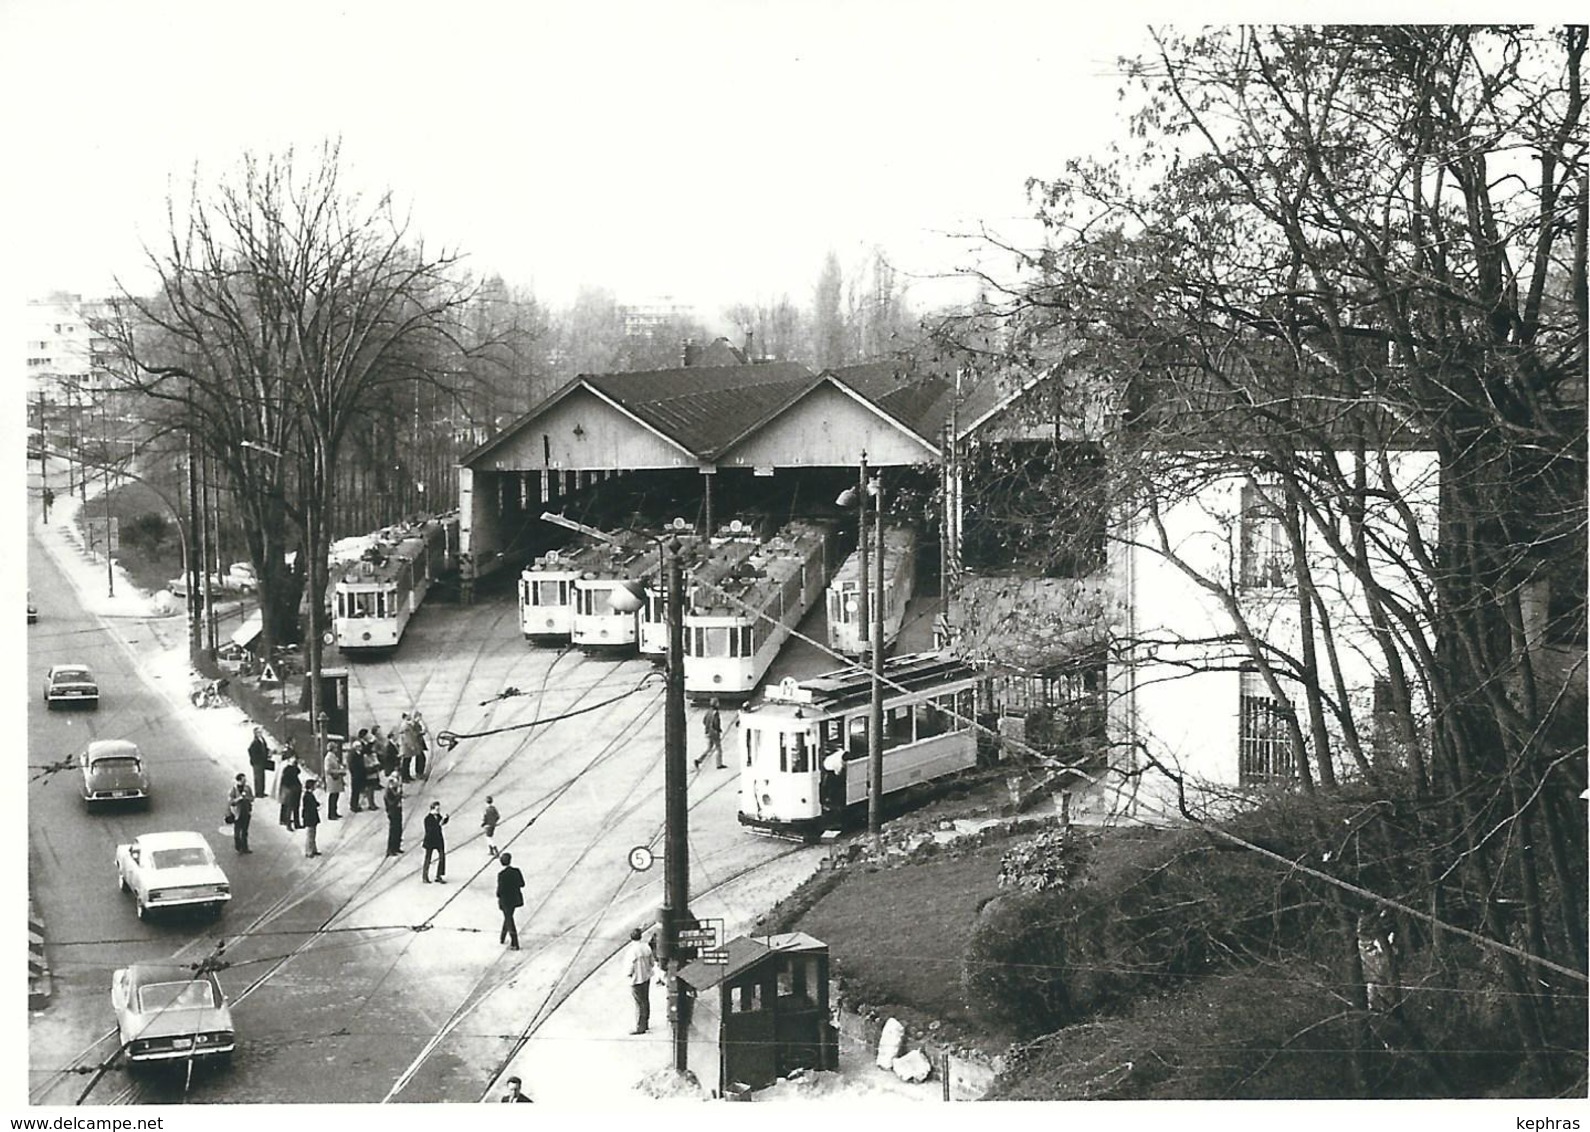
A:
{"x":172,"y":839}
{"x":147,"y":974}
{"x":111,"y":748}
{"x":72,"y":667}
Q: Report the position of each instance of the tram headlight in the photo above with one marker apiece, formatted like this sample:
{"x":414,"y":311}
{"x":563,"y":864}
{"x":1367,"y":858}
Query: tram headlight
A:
{"x":367,"y":634}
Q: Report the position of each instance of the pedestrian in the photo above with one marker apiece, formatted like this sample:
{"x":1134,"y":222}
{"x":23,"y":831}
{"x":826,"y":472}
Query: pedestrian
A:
{"x":289,"y":788}
{"x":386,"y":752}
{"x":356,"y":769}
{"x":405,"y":737}
{"x":372,"y":771}
{"x":638,"y":960}
{"x":488,"y":822}
{"x":310,"y":808}
{"x":259,"y":757}
{"x":714,"y":728}
{"x":392,"y":800}
{"x":422,"y":746}
{"x":241,"y":803}
{"x":336,"y":772}
{"x":514,"y":1095}
{"x":510,"y":896}
{"x":435,"y":843}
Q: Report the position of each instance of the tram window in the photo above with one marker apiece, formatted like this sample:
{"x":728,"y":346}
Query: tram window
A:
{"x":857,"y":747}
{"x":712,"y":641}
{"x":793,"y":754}
{"x":966,"y":706}
{"x":930,"y":720}
{"x":753,"y":744}
{"x":745,"y":640}
{"x":342,"y":605}
{"x":833,"y":732}
{"x":548,"y":593}
{"x":896,"y":726}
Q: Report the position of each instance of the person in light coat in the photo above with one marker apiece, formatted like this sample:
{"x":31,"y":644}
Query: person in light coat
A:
{"x":637,"y":961}
{"x":335,"y":769}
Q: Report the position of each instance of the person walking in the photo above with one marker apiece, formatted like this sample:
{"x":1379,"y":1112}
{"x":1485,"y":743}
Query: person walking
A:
{"x":310,"y":808}
{"x":356,"y":776}
{"x":422,"y":746}
{"x":434,"y":843}
{"x":336,"y":772}
{"x":392,"y":800}
{"x":713,"y":724}
{"x":515,"y":1093}
{"x":510,"y":896}
{"x":241,"y":802}
{"x":488,"y":822}
{"x":289,"y":790}
{"x":638,"y":961}
{"x":259,"y":757}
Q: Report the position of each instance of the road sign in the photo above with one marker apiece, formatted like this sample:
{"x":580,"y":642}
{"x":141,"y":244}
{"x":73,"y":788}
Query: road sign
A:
{"x":707,"y":937}
{"x":714,"y":957}
{"x":640,"y":858}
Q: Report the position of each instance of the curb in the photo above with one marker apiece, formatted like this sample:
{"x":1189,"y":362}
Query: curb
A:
{"x":40,"y":985}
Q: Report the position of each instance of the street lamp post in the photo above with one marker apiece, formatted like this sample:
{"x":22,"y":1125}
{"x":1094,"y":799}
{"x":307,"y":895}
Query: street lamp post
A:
{"x":104,"y":442}
{"x":858,"y":498}
{"x":628,"y":598}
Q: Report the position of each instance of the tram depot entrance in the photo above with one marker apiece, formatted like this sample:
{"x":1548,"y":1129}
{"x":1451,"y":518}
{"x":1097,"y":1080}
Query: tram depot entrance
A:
{"x":761,"y":1014}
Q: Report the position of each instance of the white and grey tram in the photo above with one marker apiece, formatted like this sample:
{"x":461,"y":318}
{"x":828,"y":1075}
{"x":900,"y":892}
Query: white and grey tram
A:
{"x":699,"y":559}
{"x":596,"y":626}
{"x":845,"y":633}
{"x":735,"y":627}
{"x":546,"y":597}
{"x":376,"y":596}
{"x":803,"y":747}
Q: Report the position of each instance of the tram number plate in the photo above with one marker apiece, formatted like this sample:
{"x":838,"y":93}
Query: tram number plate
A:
{"x":705,"y":937}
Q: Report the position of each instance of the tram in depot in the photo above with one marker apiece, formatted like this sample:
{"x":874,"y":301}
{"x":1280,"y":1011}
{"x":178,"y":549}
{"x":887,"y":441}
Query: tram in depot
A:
{"x":735,"y":626}
{"x":546,"y":597}
{"x":595,"y":625}
{"x":378,"y":593}
{"x":803,"y":746}
{"x":706,"y":559}
{"x":845,"y":629}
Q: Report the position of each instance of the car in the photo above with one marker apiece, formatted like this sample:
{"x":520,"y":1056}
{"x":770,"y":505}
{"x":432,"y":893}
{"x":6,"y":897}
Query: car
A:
{"x":169,"y":1012}
{"x":113,"y":771}
{"x":70,"y":684}
{"x":176,"y":869}
{"x":240,"y":576}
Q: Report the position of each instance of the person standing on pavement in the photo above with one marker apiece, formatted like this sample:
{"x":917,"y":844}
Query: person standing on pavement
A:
{"x":241,"y":802}
{"x":405,"y":738}
{"x":638,"y":961}
{"x":310,"y":808}
{"x":434,"y":843}
{"x":356,"y":770}
{"x":259,"y":757}
{"x":372,"y":771}
{"x":422,"y":744}
{"x":289,"y":789}
{"x":488,"y":822}
{"x":392,"y":800}
{"x":386,"y":751}
{"x":510,"y":897}
{"x":713,"y":724}
{"x":336,"y":771}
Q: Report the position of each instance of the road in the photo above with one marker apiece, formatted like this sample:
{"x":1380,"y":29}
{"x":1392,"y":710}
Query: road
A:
{"x":351,"y":980}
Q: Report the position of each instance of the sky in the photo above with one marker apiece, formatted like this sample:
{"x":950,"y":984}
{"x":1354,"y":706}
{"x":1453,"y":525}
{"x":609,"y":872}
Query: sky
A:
{"x":710,"y":151}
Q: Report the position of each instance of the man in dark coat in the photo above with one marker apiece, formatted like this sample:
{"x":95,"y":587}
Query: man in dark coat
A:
{"x":510,"y":896}
{"x":392,"y":799}
{"x":289,"y":789}
{"x":435,"y":843}
{"x":259,"y":757}
{"x":310,"y":810}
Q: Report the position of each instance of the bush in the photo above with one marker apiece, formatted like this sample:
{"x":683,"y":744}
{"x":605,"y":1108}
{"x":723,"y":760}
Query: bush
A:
{"x":1014,"y":969}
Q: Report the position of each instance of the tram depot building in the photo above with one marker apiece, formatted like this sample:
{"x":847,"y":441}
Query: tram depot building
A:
{"x":768,"y":442}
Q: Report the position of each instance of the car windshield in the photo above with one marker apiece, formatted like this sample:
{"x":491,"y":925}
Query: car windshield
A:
{"x":72,"y":674}
{"x":178,"y":858}
{"x":175,"y":996}
{"x":116,"y":762}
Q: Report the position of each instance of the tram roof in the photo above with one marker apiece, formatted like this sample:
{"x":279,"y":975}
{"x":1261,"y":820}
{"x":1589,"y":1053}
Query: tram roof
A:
{"x":897,"y":542}
{"x":911,"y":671}
{"x":381,"y":563}
{"x":763,"y":573}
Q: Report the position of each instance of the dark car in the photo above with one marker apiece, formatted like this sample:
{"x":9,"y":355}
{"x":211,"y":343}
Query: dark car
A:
{"x":113,"y":771}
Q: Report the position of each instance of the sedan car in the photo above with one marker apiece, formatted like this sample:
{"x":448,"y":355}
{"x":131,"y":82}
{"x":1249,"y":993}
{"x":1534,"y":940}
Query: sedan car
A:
{"x":172,"y":870}
{"x":70,"y":684}
{"x":113,"y":771}
{"x":168,"y":1012}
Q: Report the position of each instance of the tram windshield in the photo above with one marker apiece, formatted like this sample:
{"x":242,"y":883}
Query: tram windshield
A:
{"x":549,"y":593}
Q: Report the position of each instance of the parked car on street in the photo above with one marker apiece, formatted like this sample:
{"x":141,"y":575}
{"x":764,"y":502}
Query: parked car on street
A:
{"x":70,"y":684}
{"x":172,"y":870}
{"x":113,"y":771}
{"x":169,"y":1012}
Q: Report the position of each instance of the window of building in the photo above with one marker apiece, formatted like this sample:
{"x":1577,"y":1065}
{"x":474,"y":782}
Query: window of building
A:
{"x":1264,"y":742}
{"x":1266,"y":559}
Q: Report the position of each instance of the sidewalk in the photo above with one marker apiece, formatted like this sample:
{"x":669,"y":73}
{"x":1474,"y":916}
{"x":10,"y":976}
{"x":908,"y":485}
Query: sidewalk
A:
{"x":582,"y":1055}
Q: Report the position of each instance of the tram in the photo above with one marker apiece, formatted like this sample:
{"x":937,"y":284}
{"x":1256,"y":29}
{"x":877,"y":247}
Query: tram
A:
{"x":378,"y":593}
{"x":845,"y":630}
{"x":803,"y":745}
{"x":595,"y":625}
{"x":735,"y":626}
{"x":706,"y":559}
{"x":546,"y":597}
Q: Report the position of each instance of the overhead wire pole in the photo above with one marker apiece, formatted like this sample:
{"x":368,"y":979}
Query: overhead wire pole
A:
{"x":875,"y":715}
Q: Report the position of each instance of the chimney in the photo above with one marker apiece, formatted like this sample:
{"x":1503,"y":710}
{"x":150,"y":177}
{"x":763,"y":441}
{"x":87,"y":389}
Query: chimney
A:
{"x":749,"y":357}
{"x":684,"y":352}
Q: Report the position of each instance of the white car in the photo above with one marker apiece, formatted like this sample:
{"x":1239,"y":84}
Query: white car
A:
{"x":172,"y":870}
{"x":168,"y":1012}
{"x":70,"y":684}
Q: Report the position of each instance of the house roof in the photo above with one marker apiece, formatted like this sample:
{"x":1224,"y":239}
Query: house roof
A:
{"x":745,"y":951}
{"x":703,"y":408}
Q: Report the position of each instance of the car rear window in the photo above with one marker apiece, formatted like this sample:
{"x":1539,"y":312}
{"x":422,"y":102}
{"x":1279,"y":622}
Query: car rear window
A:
{"x":179,"y":858}
{"x":116,"y":762}
{"x":170,"y":996}
{"x":73,"y":674}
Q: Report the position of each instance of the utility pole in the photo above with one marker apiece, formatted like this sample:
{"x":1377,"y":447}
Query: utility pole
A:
{"x":104,"y":444}
{"x":875,"y":716}
{"x":861,"y":547}
{"x":195,"y":638}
